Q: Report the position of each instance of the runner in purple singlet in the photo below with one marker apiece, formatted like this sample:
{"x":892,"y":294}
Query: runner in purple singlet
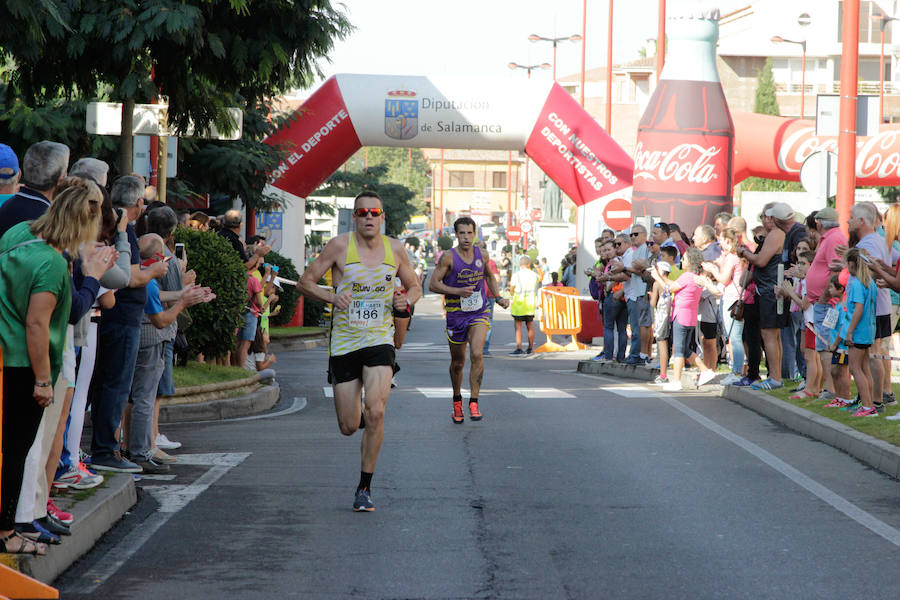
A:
{"x":462,"y":275}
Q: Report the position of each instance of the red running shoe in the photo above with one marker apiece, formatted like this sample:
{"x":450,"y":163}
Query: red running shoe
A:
{"x":457,"y":412}
{"x":60,"y":515}
{"x":474,"y":413}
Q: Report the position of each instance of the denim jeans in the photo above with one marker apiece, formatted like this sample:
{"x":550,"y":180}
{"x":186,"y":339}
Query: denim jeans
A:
{"x":117,"y":348}
{"x":734,"y":331}
{"x":487,"y":340}
{"x":799,"y":324}
{"x":634,"y":320}
{"x":614,"y":319}
{"x":788,"y":352}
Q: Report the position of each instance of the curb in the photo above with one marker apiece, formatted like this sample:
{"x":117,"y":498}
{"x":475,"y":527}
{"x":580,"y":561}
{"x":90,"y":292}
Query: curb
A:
{"x":294,"y":343}
{"x":94,"y":516}
{"x":261,"y":398}
{"x":878,"y":454}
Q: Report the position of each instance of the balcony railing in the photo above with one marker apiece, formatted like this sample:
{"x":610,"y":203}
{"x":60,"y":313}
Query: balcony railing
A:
{"x":834,"y":87}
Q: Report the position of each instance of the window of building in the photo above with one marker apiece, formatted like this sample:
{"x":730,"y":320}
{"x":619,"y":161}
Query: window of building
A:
{"x":870,"y":15}
{"x":498,"y":180}
{"x":462,"y":179}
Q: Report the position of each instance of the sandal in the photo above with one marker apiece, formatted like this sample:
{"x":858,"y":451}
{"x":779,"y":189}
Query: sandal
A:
{"x":26,"y":546}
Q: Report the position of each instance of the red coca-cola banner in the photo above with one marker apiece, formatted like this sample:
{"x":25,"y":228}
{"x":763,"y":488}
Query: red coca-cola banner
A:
{"x":676,"y":163}
{"x":775,"y":148}
{"x":319,"y":138}
{"x":575,"y":152}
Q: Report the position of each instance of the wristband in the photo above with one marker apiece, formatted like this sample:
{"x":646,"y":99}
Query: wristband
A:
{"x":41,"y":384}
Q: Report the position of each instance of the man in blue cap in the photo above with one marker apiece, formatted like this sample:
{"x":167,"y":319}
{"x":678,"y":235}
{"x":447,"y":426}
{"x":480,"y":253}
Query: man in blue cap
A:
{"x":9,"y":173}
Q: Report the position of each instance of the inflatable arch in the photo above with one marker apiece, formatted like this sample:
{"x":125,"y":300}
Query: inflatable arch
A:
{"x":351,"y":111}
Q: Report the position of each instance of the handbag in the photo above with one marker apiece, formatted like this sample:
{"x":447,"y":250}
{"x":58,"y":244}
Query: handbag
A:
{"x":737,"y":309}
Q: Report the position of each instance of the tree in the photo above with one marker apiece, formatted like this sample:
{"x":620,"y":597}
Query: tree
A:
{"x":205,"y":55}
{"x":397,"y":199}
{"x":765,"y":102}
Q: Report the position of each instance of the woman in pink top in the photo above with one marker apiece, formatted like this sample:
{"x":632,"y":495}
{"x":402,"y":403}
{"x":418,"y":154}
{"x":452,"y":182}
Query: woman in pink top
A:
{"x":686,"y":292}
{"x":729,"y":270}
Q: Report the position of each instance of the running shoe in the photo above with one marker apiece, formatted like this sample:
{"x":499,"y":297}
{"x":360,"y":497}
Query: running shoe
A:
{"x":457,"y":412}
{"x":673,"y":386}
{"x":164,"y":443}
{"x":879,"y":406}
{"x":517,"y":352}
{"x":865,"y":412}
{"x":744,"y":382}
{"x":731,"y":379}
{"x":599,"y":358}
{"x":634,"y":360}
{"x":768,"y":384}
{"x":89,"y":475}
{"x":826,"y":395}
{"x":895,"y":417}
{"x":800,"y":387}
{"x":530,"y":350}
{"x":76,"y":479}
{"x":363,"y":501}
{"x":474,"y":413}
{"x":660,"y":380}
{"x":888,"y":398}
{"x":62,"y":516}
{"x":837,"y":403}
{"x":853,"y":406}
{"x":706,"y":377}
{"x":115,"y":462}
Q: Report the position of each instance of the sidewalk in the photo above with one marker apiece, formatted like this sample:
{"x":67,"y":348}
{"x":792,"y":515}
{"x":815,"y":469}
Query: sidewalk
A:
{"x":96,"y":511}
{"x":876,"y":453}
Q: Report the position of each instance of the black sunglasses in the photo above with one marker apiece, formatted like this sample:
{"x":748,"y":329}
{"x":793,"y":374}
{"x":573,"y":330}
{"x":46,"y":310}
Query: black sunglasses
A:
{"x":363,"y":212}
{"x":636,"y":233}
{"x":617,"y":244}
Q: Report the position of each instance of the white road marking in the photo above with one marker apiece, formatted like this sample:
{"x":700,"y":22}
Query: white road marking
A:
{"x":157,"y":477}
{"x":439,"y":392}
{"x":328,"y":391}
{"x":541,"y":393}
{"x":838,"y":502}
{"x":171,"y":498}
{"x":631,"y":392}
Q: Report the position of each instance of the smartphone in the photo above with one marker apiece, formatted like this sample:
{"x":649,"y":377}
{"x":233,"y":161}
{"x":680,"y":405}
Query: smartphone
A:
{"x":179,"y":251}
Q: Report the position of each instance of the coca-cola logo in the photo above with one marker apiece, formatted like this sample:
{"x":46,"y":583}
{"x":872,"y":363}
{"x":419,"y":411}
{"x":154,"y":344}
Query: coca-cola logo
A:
{"x":877,"y":156}
{"x":686,"y":162}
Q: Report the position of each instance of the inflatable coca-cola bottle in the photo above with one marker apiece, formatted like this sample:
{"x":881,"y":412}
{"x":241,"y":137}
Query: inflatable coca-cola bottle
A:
{"x":683,"y":158}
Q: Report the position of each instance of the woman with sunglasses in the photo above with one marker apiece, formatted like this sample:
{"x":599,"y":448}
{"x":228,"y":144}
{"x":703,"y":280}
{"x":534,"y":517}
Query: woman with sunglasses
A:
{"x":363,"y":264}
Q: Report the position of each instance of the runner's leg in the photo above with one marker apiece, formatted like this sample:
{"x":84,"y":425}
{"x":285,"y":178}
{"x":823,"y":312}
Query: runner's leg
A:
{"x":377,"y":381}
{"x":457,"y":363}
{"x":347,"y":397}
{"x":477,"y":334}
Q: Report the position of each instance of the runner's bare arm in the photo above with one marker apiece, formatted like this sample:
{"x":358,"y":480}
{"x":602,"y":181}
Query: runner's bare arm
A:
{"x":407,"y":275}
{"x":491,"y":282}
{"x":328,"y":259}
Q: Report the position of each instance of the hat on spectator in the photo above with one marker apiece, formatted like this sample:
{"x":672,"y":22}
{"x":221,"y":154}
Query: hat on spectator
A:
{"x":827,"y":214}
{"x":9,"y":163}
{"x":781,"y":211}
{"x":664,"y":266}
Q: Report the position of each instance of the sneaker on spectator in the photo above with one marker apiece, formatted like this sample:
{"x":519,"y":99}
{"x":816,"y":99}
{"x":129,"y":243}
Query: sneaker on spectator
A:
{"x":743,"y":382}
{"x":88,"y":476}
{"x":150,"y":467}
{"x":894,"y":417}
{"x":888,"y":398}
{"x":164,"y":443}
{"x":673,"y":386}
{"x":865,"y":412}
{"x":598,"y":358}
{"x":660,"y":380}
{"x":163,"y":458}
{"x":802,"y":395}
{"x":767,"y":384}
{"x":706,"y":377}
{"x":879,"y":406}
{"x":826,"y":395}
{"x":76,"y":479}
{"x":853,"y":405}
{"x":837,"y":403}
{"x":731,"y":379}
{"x":634,"y":360}
{"x":800,"y":387}
{"x":115,"y":462}
{"x":62,"y":516}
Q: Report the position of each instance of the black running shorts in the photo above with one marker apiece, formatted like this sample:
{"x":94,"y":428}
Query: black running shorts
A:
{"x":347,"y":367}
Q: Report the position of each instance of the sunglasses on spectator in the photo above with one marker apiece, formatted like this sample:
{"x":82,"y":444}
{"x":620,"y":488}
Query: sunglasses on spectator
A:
{"x":364,"y":212}
{"x":617,"y":244}
{"x":636,"y":233}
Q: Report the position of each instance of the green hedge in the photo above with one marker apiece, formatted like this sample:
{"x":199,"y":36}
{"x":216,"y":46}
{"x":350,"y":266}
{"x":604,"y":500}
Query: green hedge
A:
{"x":288,"y":295}
{"x":219,"y":267}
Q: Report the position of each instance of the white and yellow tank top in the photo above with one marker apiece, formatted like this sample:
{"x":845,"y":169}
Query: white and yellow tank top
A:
{"x":369,"y":321}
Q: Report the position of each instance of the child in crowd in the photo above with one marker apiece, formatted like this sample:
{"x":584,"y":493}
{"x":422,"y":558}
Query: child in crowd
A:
{"x":836,"y":321}
{"x":860,"y":335}
{"x":815,"y":375}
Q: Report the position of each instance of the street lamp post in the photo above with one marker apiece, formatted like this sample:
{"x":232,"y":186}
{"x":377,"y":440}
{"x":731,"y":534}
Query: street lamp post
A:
{"x":555,"y":40}
{"x":528,"y":68}
{"x":778,"y":39}
{"x":884,"y":21}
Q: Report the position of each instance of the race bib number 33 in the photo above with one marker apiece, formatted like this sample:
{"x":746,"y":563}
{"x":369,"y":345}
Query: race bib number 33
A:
{"x":470,"y":304}
{"x":365,"y":313}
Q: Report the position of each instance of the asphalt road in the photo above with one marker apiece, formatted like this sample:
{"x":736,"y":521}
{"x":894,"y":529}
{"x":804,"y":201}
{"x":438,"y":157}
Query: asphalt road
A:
{"x":571,"y":487}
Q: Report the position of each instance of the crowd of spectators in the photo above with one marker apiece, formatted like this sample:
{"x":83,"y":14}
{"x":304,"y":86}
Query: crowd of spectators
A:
{"x":821,"y":307}
{"x":91,"y":295}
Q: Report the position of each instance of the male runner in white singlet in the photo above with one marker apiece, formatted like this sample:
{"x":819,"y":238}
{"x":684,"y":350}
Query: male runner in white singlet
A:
{"x":363,"y":266}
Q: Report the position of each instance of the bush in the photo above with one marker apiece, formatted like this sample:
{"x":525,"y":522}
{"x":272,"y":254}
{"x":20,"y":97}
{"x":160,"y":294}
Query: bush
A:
{"x":220,"y":268}
{"x":288,"y":295}
{"x":313,"y":312}
{"x":445,"y":242}
{"x":533,"y":255}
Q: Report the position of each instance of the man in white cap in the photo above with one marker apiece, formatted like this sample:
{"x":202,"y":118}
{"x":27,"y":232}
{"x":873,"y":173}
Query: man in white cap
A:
{"x":9,"y":173}
{"x":783,"y":215}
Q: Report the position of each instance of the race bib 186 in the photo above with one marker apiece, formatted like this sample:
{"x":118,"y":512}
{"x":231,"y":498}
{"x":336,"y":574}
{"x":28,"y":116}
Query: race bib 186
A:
{"x":365,"y":313}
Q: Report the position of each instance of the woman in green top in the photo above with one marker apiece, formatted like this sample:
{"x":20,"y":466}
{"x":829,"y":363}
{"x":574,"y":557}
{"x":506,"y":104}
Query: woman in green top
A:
{"x":35,"y":297}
